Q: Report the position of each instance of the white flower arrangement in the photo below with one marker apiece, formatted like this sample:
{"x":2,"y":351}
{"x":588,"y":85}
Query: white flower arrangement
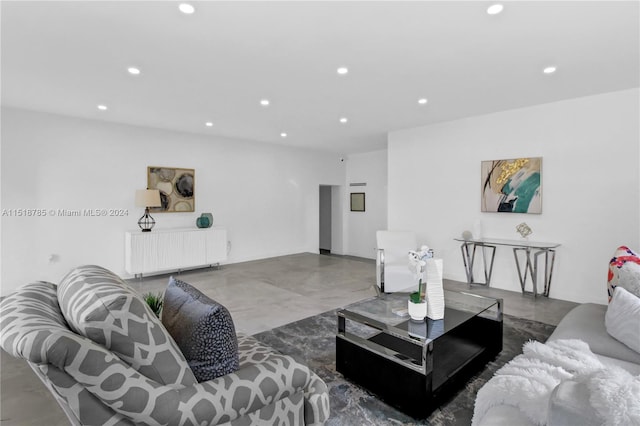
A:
{"x":417,"y":262}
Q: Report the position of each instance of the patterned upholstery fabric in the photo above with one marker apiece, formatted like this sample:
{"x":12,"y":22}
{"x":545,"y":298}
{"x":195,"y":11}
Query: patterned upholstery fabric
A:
{"x":95,"y":387}
{"x":203,"y":330}
{"x":624,"y":271}
{"x":32,"y":327}
{"x":316,"y":395}
{"x":97,"y":304}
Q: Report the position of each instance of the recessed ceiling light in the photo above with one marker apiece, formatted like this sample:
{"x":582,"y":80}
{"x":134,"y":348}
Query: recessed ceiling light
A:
{"x":133,"y":70}
{"x":495,"y":9}
{"x":186,"y":8}
{"x":343,"y":70}
{"x":343,"y":120}
{"x":549,"y":70}
{"x":422,"y":101}
{"x":264,"y":102}
{"x":283,"y":134}
{"x":208,"y":124}
{"x":102,"y":107}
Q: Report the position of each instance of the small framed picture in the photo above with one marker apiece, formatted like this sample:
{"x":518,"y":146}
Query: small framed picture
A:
{"x":357,"y":201}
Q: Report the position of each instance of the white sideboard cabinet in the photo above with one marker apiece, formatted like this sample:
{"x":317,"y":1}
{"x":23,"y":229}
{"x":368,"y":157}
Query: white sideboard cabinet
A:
{"x":174,"y":249}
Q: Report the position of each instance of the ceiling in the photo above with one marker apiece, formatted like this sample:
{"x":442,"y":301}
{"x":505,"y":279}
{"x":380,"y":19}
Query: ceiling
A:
{"x":216,"y":64}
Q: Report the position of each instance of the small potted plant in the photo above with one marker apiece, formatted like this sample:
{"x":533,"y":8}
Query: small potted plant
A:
{"x":155,"y":302}
{"x":417,"y":304}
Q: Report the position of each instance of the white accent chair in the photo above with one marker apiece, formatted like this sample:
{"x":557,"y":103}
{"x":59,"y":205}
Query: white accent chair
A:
{"x":392,"y":260}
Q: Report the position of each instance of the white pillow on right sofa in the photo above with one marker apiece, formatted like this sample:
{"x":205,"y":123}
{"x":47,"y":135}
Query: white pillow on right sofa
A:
{"x":622,"y":319}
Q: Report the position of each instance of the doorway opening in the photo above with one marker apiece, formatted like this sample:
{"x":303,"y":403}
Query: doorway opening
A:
{"x":330,"y":220}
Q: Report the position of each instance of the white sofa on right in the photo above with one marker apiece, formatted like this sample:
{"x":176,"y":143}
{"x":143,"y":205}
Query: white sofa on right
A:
{"x":570,"y":402}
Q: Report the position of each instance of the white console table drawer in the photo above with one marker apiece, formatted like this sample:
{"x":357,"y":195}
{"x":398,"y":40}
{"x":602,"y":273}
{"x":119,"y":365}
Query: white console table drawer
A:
{"x":174,"y":249}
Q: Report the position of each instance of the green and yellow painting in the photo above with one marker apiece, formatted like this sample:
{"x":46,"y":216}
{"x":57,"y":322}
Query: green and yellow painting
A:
{"x":512,"y":186}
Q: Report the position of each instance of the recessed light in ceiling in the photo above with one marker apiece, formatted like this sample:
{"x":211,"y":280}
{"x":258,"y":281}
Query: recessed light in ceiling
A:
{"x":343,"y":70}
{"x":186,"y":8}
{"x":494,"y":9}
{"x":208,"y":124}
{"x":343,"y":120}
{"x":283,"y":134}
{"x":422,"y":101}
{"x":133,"y":70}
{"x":264,"y":102}
{"x":102,"y":107}
{"x":549,"y":70}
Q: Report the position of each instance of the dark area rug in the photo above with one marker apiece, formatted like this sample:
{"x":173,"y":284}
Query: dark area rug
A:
{"x":312,"y":341}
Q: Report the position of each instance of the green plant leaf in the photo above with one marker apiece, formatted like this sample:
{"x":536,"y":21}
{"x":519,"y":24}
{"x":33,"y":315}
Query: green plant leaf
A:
{"x":155,"y":302}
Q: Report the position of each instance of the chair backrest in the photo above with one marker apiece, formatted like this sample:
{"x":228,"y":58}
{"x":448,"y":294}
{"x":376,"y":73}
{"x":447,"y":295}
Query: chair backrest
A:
{"x":396,"y":244}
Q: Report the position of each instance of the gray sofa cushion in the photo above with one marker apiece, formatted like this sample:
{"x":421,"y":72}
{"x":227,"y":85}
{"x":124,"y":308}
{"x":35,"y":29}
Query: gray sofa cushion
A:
{"x":97,"y":304}
{"x":203,"y":329}
{"x":586,"y":322}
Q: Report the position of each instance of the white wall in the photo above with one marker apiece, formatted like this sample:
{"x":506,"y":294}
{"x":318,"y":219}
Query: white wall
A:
{"x":265,"y":195}
{"x":361,"y":227}
{"x":590,"y":149}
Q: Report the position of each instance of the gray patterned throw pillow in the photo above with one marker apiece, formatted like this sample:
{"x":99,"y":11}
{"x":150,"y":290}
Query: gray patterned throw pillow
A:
{"x":97,"y":304}
{"x":202,"y":328}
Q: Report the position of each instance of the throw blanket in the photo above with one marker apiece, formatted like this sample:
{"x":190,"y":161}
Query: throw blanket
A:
{"x":527,"y":381}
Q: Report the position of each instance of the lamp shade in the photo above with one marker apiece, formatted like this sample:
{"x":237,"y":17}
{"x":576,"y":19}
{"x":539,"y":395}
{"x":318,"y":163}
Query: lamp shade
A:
{"x":148,"y":198}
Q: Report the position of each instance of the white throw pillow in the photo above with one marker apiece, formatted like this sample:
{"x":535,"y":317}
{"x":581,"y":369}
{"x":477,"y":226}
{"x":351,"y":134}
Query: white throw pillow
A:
{"x":622,"y":319}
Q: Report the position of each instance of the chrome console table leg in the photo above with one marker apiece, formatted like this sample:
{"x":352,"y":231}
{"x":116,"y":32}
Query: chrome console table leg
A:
{"x":531,"y":268}
{"x":528,"y":267}
{"x":548,"y":268}
{"x":469,"y":257}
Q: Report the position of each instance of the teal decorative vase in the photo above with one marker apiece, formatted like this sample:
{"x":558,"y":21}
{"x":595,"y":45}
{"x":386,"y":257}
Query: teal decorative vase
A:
{"x":208,"y":216}
{"x":205,"y":220}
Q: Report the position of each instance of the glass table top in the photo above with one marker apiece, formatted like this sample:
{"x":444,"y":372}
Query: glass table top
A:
{"x":381,"y":313}
{"x":511,"y":243}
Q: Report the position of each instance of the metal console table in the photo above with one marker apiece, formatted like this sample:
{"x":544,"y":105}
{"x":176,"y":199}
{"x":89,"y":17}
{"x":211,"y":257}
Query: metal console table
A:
{"x":527,"y":267}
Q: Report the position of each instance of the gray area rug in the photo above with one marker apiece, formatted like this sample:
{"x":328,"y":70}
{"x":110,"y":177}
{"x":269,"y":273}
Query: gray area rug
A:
{"x":312,"y":341}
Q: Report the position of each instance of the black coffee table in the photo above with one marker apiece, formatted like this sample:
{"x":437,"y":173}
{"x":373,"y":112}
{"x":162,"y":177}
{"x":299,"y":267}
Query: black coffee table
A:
{"x":417,"y":366}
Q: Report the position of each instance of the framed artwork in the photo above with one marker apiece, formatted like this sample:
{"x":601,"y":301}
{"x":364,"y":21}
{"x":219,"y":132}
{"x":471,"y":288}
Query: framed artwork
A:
{"x":176,"y":188}
{"x":357,"y":201}
{"x":512,"y":186}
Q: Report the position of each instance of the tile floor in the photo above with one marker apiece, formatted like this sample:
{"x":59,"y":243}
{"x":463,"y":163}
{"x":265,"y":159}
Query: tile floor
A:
{"x":260,"y":295}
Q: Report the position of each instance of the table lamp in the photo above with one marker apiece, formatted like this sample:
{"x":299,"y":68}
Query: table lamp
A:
{"x":147,"y":198}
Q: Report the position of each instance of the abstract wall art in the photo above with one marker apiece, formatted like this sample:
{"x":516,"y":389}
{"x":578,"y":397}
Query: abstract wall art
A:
{"x":512,"y":186}
{"x":176,"y":188}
